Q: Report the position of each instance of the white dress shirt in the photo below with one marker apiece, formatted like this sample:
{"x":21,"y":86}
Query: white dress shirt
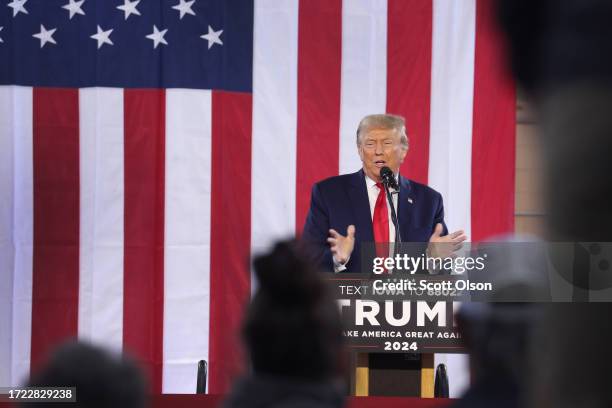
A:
{"x":373,"y":192}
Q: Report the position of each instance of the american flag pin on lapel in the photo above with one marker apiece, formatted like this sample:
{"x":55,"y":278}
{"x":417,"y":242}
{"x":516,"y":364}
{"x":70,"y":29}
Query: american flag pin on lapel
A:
{"x":410,"y":200}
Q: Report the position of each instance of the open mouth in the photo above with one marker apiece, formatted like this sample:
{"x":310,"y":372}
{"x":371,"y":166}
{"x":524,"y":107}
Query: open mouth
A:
{"x":380,"y":163}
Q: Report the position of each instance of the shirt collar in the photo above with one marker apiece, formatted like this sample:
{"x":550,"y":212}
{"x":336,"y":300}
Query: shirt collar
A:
{"x":371,"y":183}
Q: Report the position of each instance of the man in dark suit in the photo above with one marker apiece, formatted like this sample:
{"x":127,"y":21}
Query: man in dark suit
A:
{"x":357,"y":204}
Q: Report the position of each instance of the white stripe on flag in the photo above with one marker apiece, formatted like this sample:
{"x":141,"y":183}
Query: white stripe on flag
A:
{"x":7,"y":260}
{"x":23,"y":232}
{"x":452,"y":94}
{"x":364,"y":72}
{"x":101,"y":216}
{"x":273,"y":176}
{"x":187,"y":237}
{"x":450,"y":158}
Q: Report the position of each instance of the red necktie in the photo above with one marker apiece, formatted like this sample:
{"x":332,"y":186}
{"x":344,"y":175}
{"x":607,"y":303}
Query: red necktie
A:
{"x":380,"y":223}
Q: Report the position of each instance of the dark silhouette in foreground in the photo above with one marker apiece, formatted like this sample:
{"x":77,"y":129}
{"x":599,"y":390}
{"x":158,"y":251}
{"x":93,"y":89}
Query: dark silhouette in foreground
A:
{"x":293,"y":336}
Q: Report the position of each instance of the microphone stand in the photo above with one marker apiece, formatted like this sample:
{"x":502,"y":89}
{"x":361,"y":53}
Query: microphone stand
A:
{"x":398,"y":236}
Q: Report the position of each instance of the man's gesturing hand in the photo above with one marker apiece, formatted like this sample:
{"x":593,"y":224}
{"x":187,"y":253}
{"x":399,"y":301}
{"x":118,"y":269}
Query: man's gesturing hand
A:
{"x":342,"y":246}
{"x":444,"y":246}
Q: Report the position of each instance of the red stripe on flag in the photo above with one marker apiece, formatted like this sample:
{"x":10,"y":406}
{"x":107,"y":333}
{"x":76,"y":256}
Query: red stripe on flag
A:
{"x":143,"y":292}
{"x":318,"y":93}
{"x":493,"y":138}
{"x":230,"y":277}
{"x":55,"y":286}
{"x":409,"y":28}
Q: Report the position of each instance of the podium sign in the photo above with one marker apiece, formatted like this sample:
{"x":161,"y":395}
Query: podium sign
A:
{"x":388,"y":321}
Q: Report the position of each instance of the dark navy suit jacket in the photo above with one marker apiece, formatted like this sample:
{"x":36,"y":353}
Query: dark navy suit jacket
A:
{"x":340,"y":201}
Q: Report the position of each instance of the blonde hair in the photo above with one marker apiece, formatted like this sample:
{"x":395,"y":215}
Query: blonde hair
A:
{"x":383,"y":121}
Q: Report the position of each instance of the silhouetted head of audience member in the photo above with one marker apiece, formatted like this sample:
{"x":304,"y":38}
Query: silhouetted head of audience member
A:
{"x":101,"y":378}
{"x":554,"y":43}
{"x":561,"y":52}
{"x":292,"y":327}
{"x":497,"y":328}
{"x":496,"y":336}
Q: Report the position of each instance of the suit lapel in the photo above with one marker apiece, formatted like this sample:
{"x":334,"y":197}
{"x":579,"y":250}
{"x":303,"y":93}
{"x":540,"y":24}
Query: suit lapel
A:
{"x":361,"y":207}
{"x":404,"y":206}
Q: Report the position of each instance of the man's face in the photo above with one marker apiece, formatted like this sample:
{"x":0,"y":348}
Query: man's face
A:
{"x":380,"y":148}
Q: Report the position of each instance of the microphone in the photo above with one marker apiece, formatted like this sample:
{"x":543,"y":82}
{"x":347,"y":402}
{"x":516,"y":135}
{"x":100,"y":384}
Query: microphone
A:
{"x":389,"y":181}
{"x":388,"y":178}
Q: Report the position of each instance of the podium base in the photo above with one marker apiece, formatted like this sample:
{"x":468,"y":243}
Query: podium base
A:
{"x":386,"y":374}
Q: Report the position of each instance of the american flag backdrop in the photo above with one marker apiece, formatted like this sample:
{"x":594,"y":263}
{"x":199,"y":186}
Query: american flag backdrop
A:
{"x":149,"y":147}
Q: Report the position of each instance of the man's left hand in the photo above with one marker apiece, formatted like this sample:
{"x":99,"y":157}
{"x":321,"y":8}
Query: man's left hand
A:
{"x":445,"y":246}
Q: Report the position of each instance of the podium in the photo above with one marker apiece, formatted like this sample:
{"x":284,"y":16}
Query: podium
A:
{"x":392,"y":374}
{"x":392,"y":336}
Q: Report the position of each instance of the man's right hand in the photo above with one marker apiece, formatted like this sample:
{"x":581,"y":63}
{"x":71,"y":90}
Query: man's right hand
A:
{"x":342,"y":246}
